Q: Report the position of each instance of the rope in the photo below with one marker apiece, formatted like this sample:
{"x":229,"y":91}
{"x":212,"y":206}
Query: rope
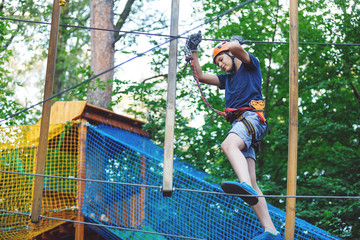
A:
{"x":101,"y":225}
{"x":309,"y":43}
{"x":170,"y":36}
{"x":190,"y":59}
{"x":206,"y":22}
{"x":271,"y":196}
{"x":183,"y":189}
{"x":88,"y":28}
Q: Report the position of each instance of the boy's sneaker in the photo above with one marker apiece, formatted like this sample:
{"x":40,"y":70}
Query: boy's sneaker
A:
{"x":241,"y":188}
{"x":268,"y":236}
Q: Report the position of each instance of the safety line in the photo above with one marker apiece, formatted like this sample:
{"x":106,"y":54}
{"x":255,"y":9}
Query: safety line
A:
{"x":270,"y":196}
{"x":88,"y":28}
{"x":173,"y":37}
{"x":189,"y":59}
{"x":182,"y":189}
{"x":179,"y":36}
{"x":309,"y":43}
{"x":170,"y":36}
{"x":102,"y":225}
{"x":81,"y":179}
{"x":112,"y":68}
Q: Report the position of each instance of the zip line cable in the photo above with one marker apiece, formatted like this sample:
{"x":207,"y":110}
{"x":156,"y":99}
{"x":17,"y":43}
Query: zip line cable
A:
{"x":102,"y":225}
{"x":114,"y":67}
{"x":88,"y":28}
{"x":181,"y":189}
{"x":106,"y":226}
{"x":169,"y":36}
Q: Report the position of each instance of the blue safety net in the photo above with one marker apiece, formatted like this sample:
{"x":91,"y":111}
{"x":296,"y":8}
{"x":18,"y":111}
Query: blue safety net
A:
{"x":131,"y":199}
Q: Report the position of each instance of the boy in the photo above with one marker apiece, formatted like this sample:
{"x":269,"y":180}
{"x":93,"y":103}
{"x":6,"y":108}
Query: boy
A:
{"x":242,"y":84}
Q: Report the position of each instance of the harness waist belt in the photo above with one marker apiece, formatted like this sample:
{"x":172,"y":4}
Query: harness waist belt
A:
{"x":256,"y":106}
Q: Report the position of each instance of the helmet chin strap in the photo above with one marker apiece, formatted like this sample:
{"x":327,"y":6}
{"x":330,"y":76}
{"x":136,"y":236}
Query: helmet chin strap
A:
{"x":233,"y":62}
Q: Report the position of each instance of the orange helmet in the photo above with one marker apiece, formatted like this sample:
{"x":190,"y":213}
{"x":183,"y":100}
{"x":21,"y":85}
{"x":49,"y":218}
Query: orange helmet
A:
{"x":222,"y":47}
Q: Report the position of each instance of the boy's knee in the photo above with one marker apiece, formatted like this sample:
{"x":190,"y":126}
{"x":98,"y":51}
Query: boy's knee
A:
{"x":226,"y":146}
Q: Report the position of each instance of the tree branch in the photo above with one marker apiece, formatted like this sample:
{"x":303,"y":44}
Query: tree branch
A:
{"x":123,"y":16}
{"x":157,"y":76}
{"x":147,"y":79}
{"x":9,"y":40}
{"x":356,"y":93}
{"x":267,"y":84}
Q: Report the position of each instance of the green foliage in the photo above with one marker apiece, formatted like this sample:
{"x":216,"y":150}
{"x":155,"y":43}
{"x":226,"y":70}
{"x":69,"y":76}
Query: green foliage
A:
{"x":72,"y":57}
{"x":9,"y":105}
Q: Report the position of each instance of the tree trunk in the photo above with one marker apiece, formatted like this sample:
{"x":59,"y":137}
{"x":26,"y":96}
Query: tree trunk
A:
{"x":102,"y":52}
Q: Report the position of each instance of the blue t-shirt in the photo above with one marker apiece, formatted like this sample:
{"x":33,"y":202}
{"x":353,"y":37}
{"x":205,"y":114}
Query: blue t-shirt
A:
{"x":243,"y":86}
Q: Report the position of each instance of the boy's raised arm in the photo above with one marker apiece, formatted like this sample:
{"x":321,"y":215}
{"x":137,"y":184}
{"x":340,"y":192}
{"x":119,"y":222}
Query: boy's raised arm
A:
{"x":192,"y":44}
{"x":211,"y":79}
{"x":238,"y":51}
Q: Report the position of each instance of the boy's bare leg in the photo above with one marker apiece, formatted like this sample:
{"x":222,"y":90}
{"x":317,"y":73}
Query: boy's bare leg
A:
{"x":245,"y":171}
{"x":260,"y":209}
{"x":232,"y":146}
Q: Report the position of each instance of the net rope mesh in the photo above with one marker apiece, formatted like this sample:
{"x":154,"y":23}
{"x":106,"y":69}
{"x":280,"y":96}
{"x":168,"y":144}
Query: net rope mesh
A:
{"x":18,"y":146}
{"x":117,"y":155}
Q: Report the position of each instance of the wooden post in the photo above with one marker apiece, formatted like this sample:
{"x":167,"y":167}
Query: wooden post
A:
{"x":167,"y":187}
{"x":79,"y":227}
{"x":293,"y":122}
{"x":46,"y":109}
{"x":142,"y":194}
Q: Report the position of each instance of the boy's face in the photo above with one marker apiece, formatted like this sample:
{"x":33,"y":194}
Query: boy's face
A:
{"x":224,"y":62}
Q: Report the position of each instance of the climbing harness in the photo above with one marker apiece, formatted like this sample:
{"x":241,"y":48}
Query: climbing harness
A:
{"x":248,"y":125}
{"x":256,"y":106}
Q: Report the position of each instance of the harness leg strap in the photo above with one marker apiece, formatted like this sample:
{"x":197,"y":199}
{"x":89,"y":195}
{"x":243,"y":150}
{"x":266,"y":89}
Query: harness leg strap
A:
{"x":249,"y":127}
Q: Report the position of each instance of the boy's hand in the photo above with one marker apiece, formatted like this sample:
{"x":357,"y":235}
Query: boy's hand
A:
{"x":240,"y":39}
{"x":193,"y":41}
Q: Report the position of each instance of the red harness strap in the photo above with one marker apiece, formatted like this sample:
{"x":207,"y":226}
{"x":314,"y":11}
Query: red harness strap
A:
{"x":241,"y":110}
{"x":198,"y":83}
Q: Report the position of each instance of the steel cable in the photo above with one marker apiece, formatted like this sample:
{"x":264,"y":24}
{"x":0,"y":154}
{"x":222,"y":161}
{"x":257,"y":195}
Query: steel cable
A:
{"x":181,"y":189}
{"x":101,"y":225}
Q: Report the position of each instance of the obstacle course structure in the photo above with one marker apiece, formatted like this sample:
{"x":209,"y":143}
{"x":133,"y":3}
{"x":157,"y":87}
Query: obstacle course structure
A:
{"x":122,"y":170}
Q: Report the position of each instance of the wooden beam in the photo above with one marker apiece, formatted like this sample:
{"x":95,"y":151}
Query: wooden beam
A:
{"x":142,"y":194}
{"x":167,"y":187}
{"x":108,"y":120}
{"x":79,"y":228}
{"x":293,"y":123}
{"x":46,"y":109}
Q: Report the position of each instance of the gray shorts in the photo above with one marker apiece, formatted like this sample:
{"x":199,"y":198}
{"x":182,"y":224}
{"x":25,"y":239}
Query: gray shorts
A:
{"x":260,"y":131}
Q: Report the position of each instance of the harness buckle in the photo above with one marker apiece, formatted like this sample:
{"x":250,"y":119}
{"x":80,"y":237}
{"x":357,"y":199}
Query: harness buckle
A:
{"x":258,"y":106}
